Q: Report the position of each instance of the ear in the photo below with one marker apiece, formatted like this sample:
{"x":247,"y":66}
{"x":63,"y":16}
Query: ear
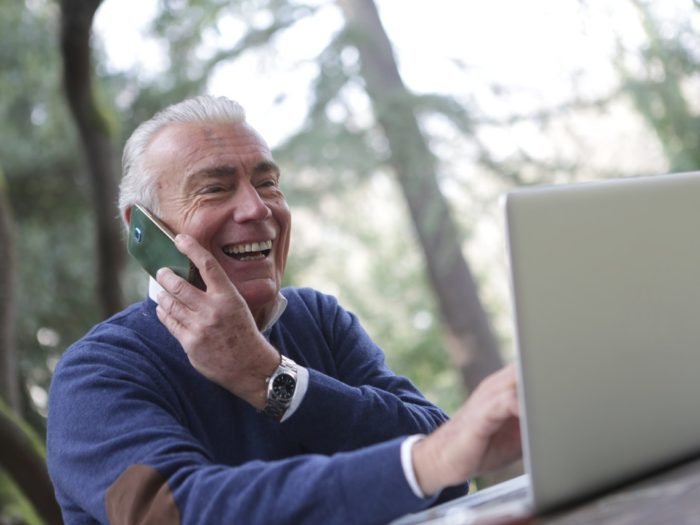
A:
{"x":127,"y":215}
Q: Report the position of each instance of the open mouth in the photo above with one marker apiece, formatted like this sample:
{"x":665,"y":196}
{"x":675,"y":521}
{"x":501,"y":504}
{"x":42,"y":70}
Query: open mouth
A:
{"x":249,"y":251}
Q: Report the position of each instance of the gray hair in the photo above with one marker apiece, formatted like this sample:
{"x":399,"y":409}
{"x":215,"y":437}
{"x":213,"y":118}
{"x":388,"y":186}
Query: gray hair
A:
{"x":137,"y":185}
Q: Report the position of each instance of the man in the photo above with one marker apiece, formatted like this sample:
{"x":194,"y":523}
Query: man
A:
{"x":242,"y":402}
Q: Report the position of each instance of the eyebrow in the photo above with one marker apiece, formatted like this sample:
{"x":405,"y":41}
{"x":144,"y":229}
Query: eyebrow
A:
{"x":265,"y":166}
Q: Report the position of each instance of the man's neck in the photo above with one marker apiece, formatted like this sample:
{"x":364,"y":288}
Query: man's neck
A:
{"x":264,"y":324}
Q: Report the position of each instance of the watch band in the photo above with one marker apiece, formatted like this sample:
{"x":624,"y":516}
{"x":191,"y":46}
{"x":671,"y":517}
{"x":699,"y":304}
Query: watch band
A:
{"x":281,"y":386}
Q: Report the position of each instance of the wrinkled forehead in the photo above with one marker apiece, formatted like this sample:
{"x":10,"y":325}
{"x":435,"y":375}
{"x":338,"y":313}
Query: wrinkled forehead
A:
{"x":204,"y":137}
{"x":185,"y":147}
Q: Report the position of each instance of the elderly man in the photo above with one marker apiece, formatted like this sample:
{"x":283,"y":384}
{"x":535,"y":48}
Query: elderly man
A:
{"x":241,"y":402}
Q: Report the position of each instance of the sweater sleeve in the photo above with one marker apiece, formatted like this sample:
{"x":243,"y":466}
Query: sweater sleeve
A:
{"x":352,"y":394}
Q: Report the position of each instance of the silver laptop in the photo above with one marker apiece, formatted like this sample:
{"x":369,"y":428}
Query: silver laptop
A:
{"x":606,"y":295}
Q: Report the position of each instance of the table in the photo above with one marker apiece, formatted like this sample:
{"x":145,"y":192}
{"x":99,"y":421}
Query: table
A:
{"x":671,"y":496}
{"x":668,"y":497}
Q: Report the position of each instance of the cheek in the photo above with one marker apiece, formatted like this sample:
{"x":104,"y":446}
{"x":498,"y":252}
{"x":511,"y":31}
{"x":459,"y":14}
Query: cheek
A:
{"x":283,"y":217}
{"x":198,"y":221}
{"x":285,"y":222}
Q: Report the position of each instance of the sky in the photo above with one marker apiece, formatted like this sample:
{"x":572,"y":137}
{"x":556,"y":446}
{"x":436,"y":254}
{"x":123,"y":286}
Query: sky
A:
{"x":461,"y":48}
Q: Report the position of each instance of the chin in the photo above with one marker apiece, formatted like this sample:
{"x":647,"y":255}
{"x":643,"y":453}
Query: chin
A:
{"x":258,"y":295}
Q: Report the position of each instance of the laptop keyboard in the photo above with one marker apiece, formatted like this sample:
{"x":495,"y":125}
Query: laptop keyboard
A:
{"x":504,"y":500}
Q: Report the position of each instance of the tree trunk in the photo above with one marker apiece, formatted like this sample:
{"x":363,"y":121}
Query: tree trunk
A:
{"x":76,"y":28}
{"x":21,"y":456}
{"x":470,"y":339}
{"x":9,"y":373}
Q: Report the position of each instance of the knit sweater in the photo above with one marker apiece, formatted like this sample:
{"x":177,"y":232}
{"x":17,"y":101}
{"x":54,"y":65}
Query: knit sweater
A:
{"x":135,"y":433}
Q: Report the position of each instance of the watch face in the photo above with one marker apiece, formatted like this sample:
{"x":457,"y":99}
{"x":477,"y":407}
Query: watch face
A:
{"x":283,"y":386}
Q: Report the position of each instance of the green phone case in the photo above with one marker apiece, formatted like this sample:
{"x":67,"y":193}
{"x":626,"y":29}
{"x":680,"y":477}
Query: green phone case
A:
{"x":152,"y":244}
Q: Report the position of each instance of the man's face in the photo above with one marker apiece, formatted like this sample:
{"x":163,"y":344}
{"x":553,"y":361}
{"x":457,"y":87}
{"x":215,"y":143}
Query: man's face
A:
{"x":218,"y":183}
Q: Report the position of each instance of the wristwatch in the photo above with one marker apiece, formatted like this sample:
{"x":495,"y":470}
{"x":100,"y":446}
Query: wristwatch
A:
{"x":280,"y":388}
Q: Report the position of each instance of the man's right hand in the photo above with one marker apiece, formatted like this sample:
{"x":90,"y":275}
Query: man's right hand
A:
{"x":215,"y":327}
{"x":483,"y":435}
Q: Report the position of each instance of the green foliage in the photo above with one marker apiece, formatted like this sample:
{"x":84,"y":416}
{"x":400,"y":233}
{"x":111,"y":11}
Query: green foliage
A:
{"x":14,"y":505}
{"x":663,"y":88}
{"x":15,"y":509}
{"x":47,"y":189}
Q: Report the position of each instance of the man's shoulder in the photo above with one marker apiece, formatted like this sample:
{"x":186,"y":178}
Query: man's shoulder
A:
{"x":305,"y":301}
{"x":135,"y":318}
{"x":123,"y":334}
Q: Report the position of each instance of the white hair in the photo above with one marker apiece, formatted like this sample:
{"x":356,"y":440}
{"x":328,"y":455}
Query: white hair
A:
{"x":138,"y":184}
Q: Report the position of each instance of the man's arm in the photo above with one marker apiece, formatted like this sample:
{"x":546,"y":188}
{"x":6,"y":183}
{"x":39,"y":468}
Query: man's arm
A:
{"x":119,"y":450}
{"x":483,"y":435}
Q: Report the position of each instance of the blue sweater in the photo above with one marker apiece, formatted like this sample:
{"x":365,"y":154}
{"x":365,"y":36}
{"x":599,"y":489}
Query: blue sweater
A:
{"x":135,"y":433}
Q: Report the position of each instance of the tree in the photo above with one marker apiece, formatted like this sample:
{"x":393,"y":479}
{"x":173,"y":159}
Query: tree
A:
{"x":41,"y":207}
{"x":21,"y":454}
{"x":470,"y":338}
{"x":98,"y":145}
{"x":9,"y":372}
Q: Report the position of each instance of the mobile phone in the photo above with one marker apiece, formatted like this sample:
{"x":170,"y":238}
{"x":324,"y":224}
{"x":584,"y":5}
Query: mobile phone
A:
{"x":152,"y":244}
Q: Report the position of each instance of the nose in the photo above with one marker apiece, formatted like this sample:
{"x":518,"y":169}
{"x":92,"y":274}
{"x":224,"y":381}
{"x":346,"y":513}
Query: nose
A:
{"x":249,"y":206}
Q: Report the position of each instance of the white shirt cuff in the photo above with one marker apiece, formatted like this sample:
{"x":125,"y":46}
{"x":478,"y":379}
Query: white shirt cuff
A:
{"x":299,"y":392}
{"x":407,"y":463}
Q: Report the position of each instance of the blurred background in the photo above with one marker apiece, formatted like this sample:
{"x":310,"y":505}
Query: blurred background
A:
{"x":397,"y":124}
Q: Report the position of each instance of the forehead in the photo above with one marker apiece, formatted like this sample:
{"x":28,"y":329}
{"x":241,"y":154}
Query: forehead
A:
{"x":188,"y":147}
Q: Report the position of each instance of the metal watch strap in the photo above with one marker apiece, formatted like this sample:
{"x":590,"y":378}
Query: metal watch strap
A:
{"x":278,"y":403}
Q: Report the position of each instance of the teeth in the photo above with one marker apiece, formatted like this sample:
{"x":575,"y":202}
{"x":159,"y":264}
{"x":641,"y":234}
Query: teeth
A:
{"x":250,"y":247}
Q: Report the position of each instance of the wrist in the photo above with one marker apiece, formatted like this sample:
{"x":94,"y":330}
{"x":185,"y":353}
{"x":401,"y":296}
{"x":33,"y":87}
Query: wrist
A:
{"x":253,"y":386}
{"x":407,"y":464}
{"x":435,"y":466}
{"x":281,"y":387}
{"x":424,"y":468}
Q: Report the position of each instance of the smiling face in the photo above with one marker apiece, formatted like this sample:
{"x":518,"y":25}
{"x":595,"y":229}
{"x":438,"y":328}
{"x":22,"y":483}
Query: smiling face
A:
{"x":218,"y":183}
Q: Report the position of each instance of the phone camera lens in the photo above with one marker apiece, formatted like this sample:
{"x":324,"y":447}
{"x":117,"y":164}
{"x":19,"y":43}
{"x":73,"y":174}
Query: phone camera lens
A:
{"x":138,"y":234}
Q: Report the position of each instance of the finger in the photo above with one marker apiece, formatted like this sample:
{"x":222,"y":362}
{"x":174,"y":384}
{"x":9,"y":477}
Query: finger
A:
{"x":506,"y":375}
{"x":503,"y":379}
{"x":179,"y":288}
{"x":209,"y":268}
{"x":497,"y":408}
{"x":173,"y":325}
{"x":507,"y":404}
{"x":174,"y":308}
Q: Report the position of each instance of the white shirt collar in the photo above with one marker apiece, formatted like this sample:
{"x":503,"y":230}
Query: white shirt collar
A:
{"x":277,"y":311}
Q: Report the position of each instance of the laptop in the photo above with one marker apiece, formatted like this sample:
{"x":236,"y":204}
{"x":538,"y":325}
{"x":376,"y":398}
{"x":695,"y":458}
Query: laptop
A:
{"x":605,"y":281}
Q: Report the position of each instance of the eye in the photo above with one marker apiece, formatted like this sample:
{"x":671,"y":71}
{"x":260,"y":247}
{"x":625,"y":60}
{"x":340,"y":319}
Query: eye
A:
{"x":211,"y":189}
{"x":266,"y":183}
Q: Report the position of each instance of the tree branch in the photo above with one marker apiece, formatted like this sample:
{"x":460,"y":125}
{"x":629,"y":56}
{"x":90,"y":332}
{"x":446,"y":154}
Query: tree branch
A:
{"x":9,"y":377}
{"x":22,"y":456}
{"x":76,"y":27}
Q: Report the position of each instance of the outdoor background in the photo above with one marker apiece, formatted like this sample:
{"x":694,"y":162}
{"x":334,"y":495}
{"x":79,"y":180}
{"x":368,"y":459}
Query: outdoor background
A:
{"x":397,"y":124}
